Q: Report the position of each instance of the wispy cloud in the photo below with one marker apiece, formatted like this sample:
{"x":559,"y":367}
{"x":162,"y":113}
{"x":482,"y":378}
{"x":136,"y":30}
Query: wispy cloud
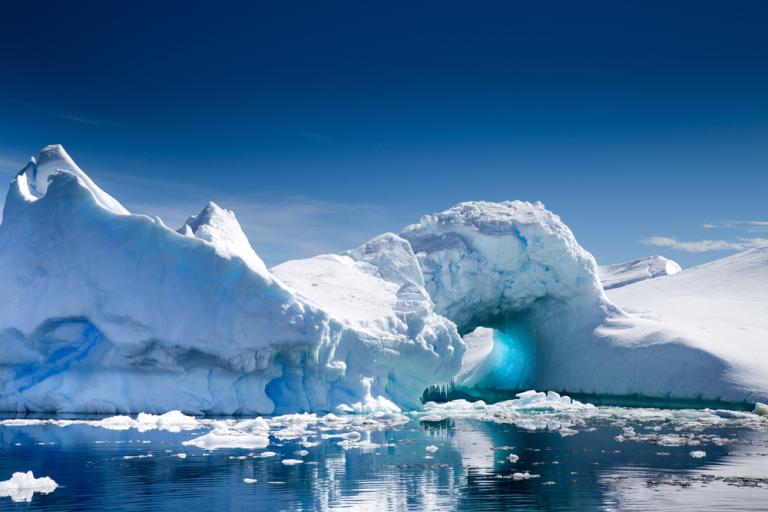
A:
{"x":751,"y":226}
{"x":315,"y":136}
{"x":90,"y":122}
{"x":698,"y":246}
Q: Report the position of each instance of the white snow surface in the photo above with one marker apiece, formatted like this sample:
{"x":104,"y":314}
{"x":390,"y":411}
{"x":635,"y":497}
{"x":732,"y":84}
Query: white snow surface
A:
{"x":622,"y":274}
{"x":21,"y":487}
{"x":720,"y":309}
{"x":109,"y":312}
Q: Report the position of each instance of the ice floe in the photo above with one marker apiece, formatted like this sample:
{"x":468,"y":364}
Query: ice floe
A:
{"x":22,"y":486}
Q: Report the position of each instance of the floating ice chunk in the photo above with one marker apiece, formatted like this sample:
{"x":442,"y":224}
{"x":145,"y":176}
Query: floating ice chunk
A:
{"x":431,"y":448}
{"x":142,"y":456}
{"x":227,"y":438}
{"x":249,"y":480}
{"x":698,"y":454}
{"x":524,"y":476}
{"x":181,"y":455}
{"x":247,"y":434}
{"x":432,"y":417}
{"x":513,"y":458}
{"x":301,"y":453}
{"x":265,"y":455}
{"x":173,"y":421}
{"x":22,"y":486}
{"x":761,"y":409}
{"x":292,"y":462}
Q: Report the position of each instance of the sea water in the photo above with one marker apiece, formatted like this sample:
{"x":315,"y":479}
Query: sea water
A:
{"x":598,"y":459}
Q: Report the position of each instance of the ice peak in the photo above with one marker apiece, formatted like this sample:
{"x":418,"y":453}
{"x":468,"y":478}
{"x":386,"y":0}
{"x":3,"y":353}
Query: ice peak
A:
{"x":33,"y":180}
{"x":219,"y":227}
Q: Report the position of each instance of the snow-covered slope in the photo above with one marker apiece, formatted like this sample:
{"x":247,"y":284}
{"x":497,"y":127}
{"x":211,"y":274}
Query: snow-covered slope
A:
{"x":720,"y":308}
{"x":622,"y":274}
{"x":103,"y":311}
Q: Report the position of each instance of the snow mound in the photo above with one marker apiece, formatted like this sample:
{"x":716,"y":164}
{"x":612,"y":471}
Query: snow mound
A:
{"x":718,"y":310}
{"x":622,"y":274}
{"x":22,"y":486}
{"x":108,"y":312}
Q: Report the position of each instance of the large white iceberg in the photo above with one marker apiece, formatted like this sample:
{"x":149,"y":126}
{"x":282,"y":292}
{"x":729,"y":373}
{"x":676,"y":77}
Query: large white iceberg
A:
{"x":528,"y":299}
{"x":104,"y":311}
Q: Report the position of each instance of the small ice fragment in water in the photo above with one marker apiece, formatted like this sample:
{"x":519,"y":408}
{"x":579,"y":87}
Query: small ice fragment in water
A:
{"x":301,"y":453}
{"x":249,"y":480}
{"x":513,"y":458}
{"x":22,"y":486}
{"x":761,"y":409}
{"x":431,"y":448}
{"x":524,"y":476}
{"x":291,"y":462}
{"x":698,"y":454}
{"x":145,"y":456}
{"x":181,"y":455}
{"x":264,"y":455}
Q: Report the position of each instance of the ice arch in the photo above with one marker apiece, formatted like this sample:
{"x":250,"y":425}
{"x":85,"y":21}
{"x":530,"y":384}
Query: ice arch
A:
{"x":517,"y":268}
{"x":513,"y":266}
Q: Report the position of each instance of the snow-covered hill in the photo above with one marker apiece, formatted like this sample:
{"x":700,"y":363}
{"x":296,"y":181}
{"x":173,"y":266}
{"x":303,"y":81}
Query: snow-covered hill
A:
{"x":622,"y":274}
{"x":720,"y":308}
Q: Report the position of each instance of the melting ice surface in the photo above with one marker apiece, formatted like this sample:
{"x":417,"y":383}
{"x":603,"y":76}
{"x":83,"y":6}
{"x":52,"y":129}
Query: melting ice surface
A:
{"x":538,"y":451}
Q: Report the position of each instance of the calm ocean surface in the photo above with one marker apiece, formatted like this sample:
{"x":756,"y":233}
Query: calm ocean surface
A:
{"x":99,"y":469}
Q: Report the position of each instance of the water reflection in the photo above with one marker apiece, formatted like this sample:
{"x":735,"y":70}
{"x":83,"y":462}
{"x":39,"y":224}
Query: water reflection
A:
{"x":470,"y":470}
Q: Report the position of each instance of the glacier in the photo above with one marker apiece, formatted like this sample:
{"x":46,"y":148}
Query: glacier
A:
{"x":105,"y":311}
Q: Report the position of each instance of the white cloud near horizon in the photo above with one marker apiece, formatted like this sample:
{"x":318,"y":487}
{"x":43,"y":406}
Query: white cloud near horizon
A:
{"x":699,"y":246}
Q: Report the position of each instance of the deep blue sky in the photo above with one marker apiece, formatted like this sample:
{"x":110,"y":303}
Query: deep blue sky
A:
{"x":324,"y":123}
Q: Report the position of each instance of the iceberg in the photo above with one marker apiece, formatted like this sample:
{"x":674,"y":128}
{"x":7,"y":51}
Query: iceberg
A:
{"x":108,"y":312}
{"x":529,"y":302}
{"x":105,"y":311}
